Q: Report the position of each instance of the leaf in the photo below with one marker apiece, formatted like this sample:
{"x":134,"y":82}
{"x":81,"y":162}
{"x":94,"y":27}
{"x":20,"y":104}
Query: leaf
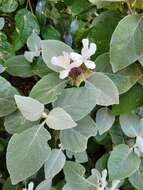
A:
{"x":8,"y":6}
{"x":59,"y":119}
{"x":2,"y":22}
{"x":131,"y":125}
{"x":51,"y":48}
{"x":26,"y":23}
{"x":30,"y":108}
{"x":137,"y":178}
{"x":126,"y":42}
{"x":19,"y":66}
{"x":104,"y":120}
{"x":45,"y":185}
{"x":16,"y":123}
{"x":75,"y":140}
{"x":74,"y":174}
{"x":27,"y":152}
{"x":48,"y":89}
{"x":54,"y":164}
{"x":106,"y":93}
{"x":80,"y":157}
{"x":129,"y":101}
{"x":102,"y":30}
{"x":2,"y":69}
{"x":78,"y":102}
{"x":122,"y":163}
{"x":7,"y":92}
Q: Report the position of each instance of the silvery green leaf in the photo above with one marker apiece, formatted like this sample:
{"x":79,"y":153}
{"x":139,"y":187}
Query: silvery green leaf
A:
{"x":74,"y":174}
{"x":48,"y":88}
{"x":30,"y":108}
{"x":75,"y":140}
{"x":131,"y":125}
{"x":2,"y":22}
{"x":106,"y":92}
{"x":29,"y":55}
{"x":80,"y":157}
{"x":27,"y":152}
{"x":34,"y":42}
{"x":2,"y":69}
{"x":122,"y":163}
{"x":67,"y":187}
{"x":104,"y":120}
{"x":78,"y":102}
{"x":16,"y":123}
{"x":59,"y":119}
{"x":137,"y":178}
{"x":45,"y":185}
{"x":126,"y":42}
{"x":7,"y":92}
{"x":51,"y":48}
{"x":54,"y":164}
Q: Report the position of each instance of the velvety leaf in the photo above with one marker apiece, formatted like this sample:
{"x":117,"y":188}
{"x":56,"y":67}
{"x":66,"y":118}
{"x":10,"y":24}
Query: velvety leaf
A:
{"x":30,"y":108}
{"x":48,"y":89}
{"x":54,"y":164}
{"x":126,"y":43}
{"x":75,"y":140}
{"x":16,"y":123}
{"x":122,"y":163}
{"x":2,"y":22}
{"x":78,"y":102}
{"x":106,"y":93}
{"x":59,"y":119}
{"x":19,"y":66}
{"x":7,"y":92}
{"x":27,"y":152}
{"x":45,"y":185}
{"x":104,"y":120}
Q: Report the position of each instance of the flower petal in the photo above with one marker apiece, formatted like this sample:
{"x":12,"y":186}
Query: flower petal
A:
{"x":30,"y":186}
{"x":139,"y":143}
{"x":64,"y":73}
{"x":59,"y":61}
{"x":76,"y":57}
{"x":92,"y":49}
{"x":90,"y":64}
{"x":85,"y":43}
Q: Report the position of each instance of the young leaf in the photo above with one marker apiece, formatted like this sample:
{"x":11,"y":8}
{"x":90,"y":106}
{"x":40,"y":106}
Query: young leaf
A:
{"x":27,"y":152}
{"x":131,"y":125}
{"x":75,"y":140}
{"x":2,"y":22}
{"x":126,"y":43}
{"x":106,"y":93}
{"x":48,"y":89}
{"x":54,"y":164}
{"x":122,"y":163}
{"x":30,"y":108}
{"x":59,"y":119}
{"x":78,"y":102}
{"x":51,"y":48}
{"x":104,"y":120}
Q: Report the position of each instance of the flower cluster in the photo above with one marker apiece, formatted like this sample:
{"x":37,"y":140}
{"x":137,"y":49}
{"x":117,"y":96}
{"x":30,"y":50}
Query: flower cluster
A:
{"x":69,"y":61}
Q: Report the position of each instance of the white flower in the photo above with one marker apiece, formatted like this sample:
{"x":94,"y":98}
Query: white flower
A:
{"x":30,"y":186}
{"x":139,"y":143}
{"x":115,"y":185}
{"x":65,"y":63}
{"x":87,"y":51}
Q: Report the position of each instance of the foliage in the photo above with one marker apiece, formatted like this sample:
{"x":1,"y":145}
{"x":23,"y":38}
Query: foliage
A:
{"x":71,"y":101}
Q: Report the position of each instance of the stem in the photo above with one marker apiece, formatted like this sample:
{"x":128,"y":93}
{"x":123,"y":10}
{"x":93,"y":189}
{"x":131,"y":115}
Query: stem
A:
{"x":129,"y":7}
{"x":30,"y":6}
